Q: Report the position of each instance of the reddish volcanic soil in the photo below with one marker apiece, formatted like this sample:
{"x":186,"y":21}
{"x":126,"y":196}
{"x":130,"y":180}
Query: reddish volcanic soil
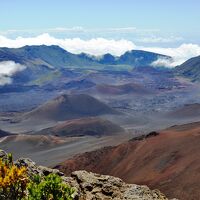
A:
{"x":169,"y":161}
{"x":93,"y":126}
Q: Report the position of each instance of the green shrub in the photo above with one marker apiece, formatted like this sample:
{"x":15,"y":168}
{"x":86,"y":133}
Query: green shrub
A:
{"x":50,"y":187}
{"x":16,"y":185}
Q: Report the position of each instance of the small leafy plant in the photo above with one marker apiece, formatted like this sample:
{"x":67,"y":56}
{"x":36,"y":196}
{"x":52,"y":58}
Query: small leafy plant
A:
{"x":50,"y":187}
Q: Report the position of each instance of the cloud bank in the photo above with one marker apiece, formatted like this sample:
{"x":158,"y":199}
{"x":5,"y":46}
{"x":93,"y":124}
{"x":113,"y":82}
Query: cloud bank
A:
{"x":179,"y":54}
{"x":97,"y":46}
{"x":163,"y":62}
{"x":7,"y":70}
{"x":100,"y":46}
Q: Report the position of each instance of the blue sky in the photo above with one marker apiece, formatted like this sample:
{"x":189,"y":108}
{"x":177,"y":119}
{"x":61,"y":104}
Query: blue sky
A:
{"x":175,"y":19}
{"x":176,"y":15}
{"x":96,"y":27}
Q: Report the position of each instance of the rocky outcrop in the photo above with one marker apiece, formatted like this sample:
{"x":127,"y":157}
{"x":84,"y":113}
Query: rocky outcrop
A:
{"x":91,"y":186}
{"x":94,"y":186}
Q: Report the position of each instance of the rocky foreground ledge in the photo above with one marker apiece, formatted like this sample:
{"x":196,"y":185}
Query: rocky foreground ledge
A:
{"x":91,"y":186}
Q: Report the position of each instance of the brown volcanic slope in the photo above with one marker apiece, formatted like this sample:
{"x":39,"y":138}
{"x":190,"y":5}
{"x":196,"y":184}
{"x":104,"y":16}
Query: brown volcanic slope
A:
{"x":169,"y":161}
{"x":68,"y":107}
{"x":29,"y":143}
{"x":93,"y":126}
{"x":122,"y":89}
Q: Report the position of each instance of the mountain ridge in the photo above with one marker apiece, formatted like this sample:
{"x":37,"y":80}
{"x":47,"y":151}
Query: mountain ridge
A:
{"x":22,"y":54}
{"x":42,"y":60}
{"x":190,"y":69}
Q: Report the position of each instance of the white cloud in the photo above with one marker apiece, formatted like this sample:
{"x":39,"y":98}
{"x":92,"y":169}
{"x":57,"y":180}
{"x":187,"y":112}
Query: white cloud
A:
{"x":7,"y":70}
{"x":156,"y":39}
{"x":163,"y":62}
{"x":78,"y":29}
{"x":179,"y":54}
{"x":63,"y":29}
{"x":99,"y":46}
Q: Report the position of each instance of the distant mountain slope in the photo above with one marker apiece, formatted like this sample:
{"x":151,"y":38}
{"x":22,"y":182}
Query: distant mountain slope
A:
{"x":135,"y":58}
{"x":56,"y":57}
{"x":93,"y":126}
{"x":108,"y":59}
{"x":69,"y":107}
{"x":42,"y":61}
{"x":186,"y":111}
{"x":24,"y":143}
{"x":49,"y":61}
{"x":48,"y":56}
{"x":168,"y":161}
{"x":190,"y":69}
{"x":128,"y":88}
{"x":4,"y":133}
{"x":139,"y":58}
{"x":79,"y":84}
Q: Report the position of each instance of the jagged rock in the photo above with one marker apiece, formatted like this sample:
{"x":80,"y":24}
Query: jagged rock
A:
{"x":33,"y":169}
{"x":3,"y":154}
{"x":91,"y":186}
{"x":46,"y":171}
